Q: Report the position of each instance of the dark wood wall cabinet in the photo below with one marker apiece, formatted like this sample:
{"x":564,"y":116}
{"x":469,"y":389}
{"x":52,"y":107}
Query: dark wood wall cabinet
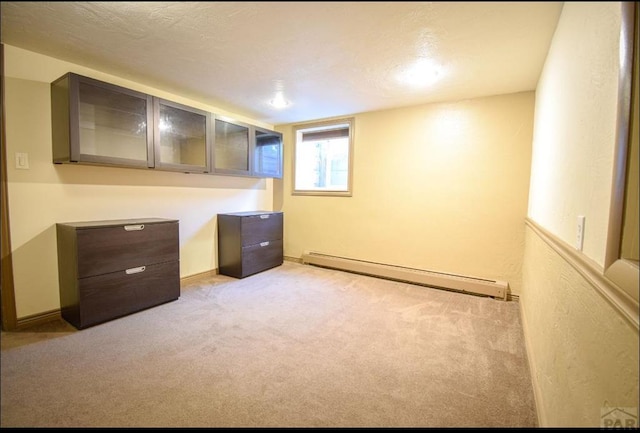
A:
{"x":109,"y":269}
{"x":242,"y":149}
{"x":99,"y":123}
{"x":249,"y":242}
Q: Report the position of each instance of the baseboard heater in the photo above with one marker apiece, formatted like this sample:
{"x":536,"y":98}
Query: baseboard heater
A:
{"x":459,"y":283}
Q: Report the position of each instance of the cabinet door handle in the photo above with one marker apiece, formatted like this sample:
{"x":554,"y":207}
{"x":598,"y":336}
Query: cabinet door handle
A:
{"x":134,"y":227}
{"x":135,"y":270}
{"x":264,"y":244}
{"x":264,"y":217}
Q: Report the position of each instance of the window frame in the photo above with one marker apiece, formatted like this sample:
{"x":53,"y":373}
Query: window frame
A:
{"x":297,"y":131}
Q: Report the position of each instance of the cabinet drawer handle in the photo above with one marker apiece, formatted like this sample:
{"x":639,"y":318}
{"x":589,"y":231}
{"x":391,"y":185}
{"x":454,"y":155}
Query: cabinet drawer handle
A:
{"x":134,"y":227}
{"x":135,"y":270}
{"x":264,"y":217}
{"x":264,"y":244}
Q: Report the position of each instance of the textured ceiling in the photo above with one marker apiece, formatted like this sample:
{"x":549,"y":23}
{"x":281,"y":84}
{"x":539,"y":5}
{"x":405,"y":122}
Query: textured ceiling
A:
{"x":327,"y":58}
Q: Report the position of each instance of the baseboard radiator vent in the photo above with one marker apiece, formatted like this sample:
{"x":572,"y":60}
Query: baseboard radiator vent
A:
{"x":458,"y":283}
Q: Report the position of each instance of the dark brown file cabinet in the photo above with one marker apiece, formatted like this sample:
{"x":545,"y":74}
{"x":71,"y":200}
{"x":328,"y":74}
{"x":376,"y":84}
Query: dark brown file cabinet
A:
{"x":249,"y":242}
{"x":108,"y":269}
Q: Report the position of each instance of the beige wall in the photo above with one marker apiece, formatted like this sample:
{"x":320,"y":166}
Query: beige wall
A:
{"x":576,"y":124}
{"x":441,"y":187}
{"x":583,"y":354}
{"x":47,"y":193}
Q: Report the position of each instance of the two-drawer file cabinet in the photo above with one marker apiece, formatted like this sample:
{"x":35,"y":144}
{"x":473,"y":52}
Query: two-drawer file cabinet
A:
{"x":249,"y":242}
{"x":108,"y":269}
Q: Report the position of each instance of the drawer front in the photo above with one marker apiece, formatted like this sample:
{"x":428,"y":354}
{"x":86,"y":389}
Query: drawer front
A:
{"x":110,"y":249}
{"x":106,"y":297}
{"x":260,"y":228}
{"x":259,"y":257}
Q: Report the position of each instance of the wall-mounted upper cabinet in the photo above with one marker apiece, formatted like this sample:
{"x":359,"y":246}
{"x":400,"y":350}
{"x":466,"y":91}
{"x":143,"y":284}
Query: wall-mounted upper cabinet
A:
{"x":100,"y":123}
{"x":267,"y":153}
{"x":182,"y":137}
{"x":246,"y":150}
{"x":94,"y":122}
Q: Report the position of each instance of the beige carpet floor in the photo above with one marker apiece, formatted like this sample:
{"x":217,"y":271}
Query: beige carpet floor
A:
{"x":294,"y":346}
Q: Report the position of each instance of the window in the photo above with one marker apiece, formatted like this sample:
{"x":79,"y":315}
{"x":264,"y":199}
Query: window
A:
{"x":323,"y":158}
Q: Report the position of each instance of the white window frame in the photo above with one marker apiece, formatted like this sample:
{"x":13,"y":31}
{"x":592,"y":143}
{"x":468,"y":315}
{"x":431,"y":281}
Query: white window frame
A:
{"x":329,"y":124}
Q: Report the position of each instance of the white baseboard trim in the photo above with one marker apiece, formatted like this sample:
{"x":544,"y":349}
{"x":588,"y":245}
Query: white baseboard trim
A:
{"x":293,"y":259}
{"x":537,"y":392}
{"x":38,"y":319}
{"x":196,"y":277}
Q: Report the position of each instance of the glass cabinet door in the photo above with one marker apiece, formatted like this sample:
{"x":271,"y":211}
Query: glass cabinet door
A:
{"x":108,"y":124}
{"x":182,"y":137}
{"x":231,"y":147}
{"x":267,"y":153}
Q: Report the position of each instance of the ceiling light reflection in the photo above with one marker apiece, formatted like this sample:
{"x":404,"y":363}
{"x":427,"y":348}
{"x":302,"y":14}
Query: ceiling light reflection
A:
{"x":422,"y":73}
{"x":279,"y":101}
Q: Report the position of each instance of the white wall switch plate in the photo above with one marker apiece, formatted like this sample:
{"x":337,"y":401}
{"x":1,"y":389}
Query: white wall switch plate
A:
{"x":22,"y":161}
{"x":580,"y":234}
